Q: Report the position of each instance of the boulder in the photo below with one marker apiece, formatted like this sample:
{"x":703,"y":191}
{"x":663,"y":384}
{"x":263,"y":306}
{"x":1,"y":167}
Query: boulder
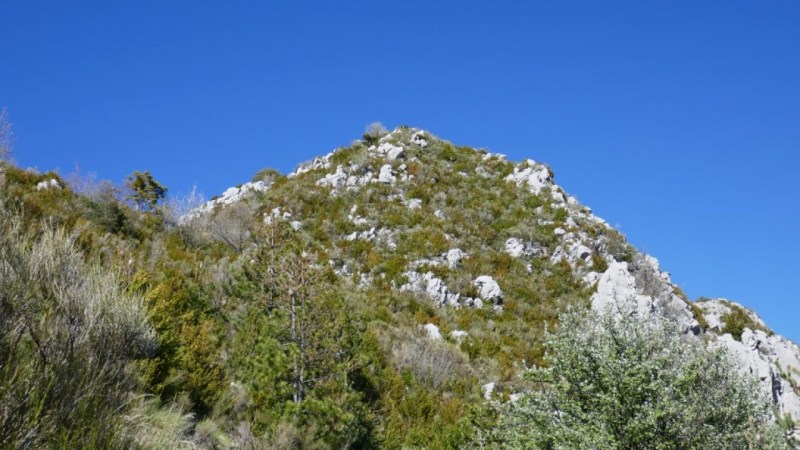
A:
{"x":535,"y":176}
{"x":432,"y":331}
{"x":454,"y":257}
{"x":488,"y":289}
{"x":386,"y":175}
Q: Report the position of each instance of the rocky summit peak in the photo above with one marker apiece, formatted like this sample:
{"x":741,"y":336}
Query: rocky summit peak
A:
{"x":409,"y":213}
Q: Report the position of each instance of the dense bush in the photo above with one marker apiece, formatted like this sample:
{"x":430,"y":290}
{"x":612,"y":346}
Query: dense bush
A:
{"x":67,"y":335}
{"x":295,"y":348}
{"x":737,"y":320}
{"x":626,"y":381}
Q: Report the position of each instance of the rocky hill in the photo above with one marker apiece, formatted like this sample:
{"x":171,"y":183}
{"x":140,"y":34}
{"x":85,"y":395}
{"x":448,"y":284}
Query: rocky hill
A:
{"x":478,"y":236}
{"x":389,"y":294}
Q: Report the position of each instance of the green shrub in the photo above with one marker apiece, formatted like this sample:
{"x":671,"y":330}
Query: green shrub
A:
{"x":631,"y":382}
{"x":737,"y":320}
{"x":67,"y":336}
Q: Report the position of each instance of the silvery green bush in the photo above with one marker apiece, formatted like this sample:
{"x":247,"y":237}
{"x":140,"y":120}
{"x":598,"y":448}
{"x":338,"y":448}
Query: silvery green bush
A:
{"x":620,"y":380}
{"x":68,"y":334}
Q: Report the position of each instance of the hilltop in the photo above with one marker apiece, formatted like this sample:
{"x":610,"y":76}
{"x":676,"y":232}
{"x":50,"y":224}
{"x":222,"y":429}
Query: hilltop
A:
{"x":380,"y":295}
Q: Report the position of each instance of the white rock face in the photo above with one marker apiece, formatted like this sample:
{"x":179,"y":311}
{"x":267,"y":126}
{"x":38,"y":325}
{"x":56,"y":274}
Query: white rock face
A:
{"x":575,"y":251}
{"x":515,"y":247}
{"x":276,"y":214}
{"x":435,"y":289}
{"x":535,"y":176}
{"x":715,"y":309}
{"x":386,"y":174}
{"x":518,"y":248}
{"x":230,"y":196}
{"x":617,"y":286}
{"x":355,"y":218}
{"x":433,"y":286}
{"x":498,"y":156}
{"x":334,"y":180}
{"x":419,"y":139}
{"x":488,"y":390}
{"x":390,"y":151}
{"x":774,"y":361}
{"x":356,"y":180}
{"x":482,"y":172}
{"x":454,"y":257}
{"x":48,"y":184}
{"x":317,"y":163}
{"x":488,"y":289}
{"x":432,"y":331}
{"x":371,"y":234}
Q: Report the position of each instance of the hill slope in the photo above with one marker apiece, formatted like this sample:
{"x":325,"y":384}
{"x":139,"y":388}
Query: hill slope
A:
{"x":468,"y":230}
{"x":375,"y":297}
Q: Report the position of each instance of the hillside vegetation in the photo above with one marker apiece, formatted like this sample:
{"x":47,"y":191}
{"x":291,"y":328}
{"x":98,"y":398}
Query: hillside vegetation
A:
{"x":394,"y":293}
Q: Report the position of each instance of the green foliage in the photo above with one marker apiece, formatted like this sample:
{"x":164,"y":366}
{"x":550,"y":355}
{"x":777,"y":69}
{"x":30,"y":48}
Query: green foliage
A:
{"x":267,"y":175}
{"x":144,"y":191}
{"x":631,"y":382}
{"x":67,"y":335}
{"x":374,"y":132}
{"x":698,"y":315}
{"x":187,"y":360}
{"x":262,"y":345}
{"x":295,"y":348}
{"x":737,"y":320}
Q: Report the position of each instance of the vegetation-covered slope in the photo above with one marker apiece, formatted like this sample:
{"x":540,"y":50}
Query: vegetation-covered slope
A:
{"x":375,"y":297}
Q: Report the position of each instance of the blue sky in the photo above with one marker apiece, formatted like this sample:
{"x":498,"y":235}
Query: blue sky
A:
{"x":679,"y":122}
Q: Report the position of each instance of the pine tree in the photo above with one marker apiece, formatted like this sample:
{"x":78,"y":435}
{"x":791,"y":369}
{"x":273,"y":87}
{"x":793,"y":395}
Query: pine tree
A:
{"x":144,"y":191}
{"x":295,"y":345}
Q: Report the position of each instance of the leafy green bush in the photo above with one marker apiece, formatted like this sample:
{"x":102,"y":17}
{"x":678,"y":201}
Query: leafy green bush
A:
{"x":626,"y":381}
{"x":737,"y":320}
{"x":698,"y":315}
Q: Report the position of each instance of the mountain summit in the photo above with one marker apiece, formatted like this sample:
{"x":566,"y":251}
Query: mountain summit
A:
{"x":466,"y":229}
{"x":399,"y":292}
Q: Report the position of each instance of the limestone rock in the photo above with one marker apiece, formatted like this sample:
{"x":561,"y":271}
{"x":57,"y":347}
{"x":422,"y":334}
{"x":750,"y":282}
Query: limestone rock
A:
{"x":617,"y":287}
{"x":419,"y":139}
{"x":488,"y":289}
{"x":317,"y":163}
{"x":386,"y":174}
{"x":715,"y":309}
{"x":535,"y":176}
{"x":774,"y":361}
{"x":390,"y":151}
{"x":435,"y":289}
{"x":230,"y":196}
{"x":432,"y":331}
{"x":334,"y":180}
{"x":488,"y":390}
{"x":515,"y":247}
{"x":454,"y":257}
{"x":48,"y":184}
{"x":414,"y":203}
{"x":458,"y":335}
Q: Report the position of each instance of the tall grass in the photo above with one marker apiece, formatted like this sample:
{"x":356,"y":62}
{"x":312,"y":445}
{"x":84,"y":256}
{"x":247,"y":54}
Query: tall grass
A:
{"x":67,"y":336}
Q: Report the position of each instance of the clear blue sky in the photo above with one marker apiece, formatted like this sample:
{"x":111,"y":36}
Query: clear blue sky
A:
{"x":677,"y":121}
